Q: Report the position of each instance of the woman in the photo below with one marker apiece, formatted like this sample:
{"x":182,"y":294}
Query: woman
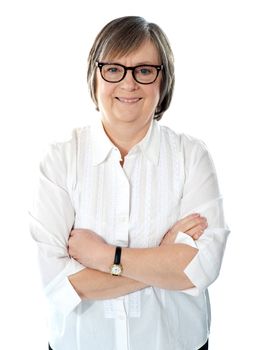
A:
{"x":128,"y":216}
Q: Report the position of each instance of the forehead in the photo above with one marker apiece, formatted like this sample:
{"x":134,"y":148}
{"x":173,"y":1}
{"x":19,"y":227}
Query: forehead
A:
{"x":147,"y":52}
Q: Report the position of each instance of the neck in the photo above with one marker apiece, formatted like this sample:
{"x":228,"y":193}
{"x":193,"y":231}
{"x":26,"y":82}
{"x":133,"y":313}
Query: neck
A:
{"x":125,"y":136}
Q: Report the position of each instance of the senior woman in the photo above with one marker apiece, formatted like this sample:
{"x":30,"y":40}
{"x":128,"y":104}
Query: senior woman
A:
{"x":128,"y":216}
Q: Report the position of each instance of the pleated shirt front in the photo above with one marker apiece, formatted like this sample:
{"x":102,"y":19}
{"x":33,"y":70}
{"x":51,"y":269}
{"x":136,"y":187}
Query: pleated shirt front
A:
{"x":81,"y":184}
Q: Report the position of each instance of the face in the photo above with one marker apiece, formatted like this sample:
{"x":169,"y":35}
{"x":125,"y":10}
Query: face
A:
{"x":128,"y":102}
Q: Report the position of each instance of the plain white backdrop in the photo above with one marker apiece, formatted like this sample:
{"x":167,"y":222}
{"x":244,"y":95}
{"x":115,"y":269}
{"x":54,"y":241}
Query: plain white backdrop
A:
{"x":218,"y":47}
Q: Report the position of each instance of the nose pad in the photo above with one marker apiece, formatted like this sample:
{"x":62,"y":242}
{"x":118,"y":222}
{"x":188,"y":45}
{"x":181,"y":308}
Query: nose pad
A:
{"x":129,"y":82}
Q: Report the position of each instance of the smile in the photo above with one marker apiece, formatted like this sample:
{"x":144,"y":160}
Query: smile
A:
{"x":128,"y":100}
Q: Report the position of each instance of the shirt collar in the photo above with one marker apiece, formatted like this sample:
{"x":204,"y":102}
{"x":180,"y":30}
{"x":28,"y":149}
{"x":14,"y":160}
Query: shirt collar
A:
{"x":102,"y":145}
{"x":150,"y":144}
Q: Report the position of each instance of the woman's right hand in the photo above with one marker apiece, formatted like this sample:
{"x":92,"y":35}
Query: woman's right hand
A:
{"x":193,"y":225}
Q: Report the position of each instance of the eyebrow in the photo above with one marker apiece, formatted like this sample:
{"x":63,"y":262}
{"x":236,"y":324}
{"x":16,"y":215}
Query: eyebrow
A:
{"x":143,"y":63}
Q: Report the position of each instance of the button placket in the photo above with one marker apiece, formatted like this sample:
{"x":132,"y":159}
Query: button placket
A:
{"x":121,"y":324}
{"x":122,"y":208}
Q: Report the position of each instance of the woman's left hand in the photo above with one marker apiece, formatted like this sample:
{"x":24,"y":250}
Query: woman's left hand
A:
{"x":193,"y":225}
{"x":86,"y":246}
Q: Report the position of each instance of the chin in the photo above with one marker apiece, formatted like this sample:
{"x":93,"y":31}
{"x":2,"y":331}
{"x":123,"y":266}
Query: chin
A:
{"x":132,"y":118}
{"x":127,"y":116}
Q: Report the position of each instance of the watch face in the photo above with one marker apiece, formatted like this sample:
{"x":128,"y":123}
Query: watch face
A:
{"x":116,"y":270}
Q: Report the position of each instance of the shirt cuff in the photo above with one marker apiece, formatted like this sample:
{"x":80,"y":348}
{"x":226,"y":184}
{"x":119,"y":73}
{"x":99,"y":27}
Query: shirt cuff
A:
{"x":60,"y":293}
{"x":183,"y":238}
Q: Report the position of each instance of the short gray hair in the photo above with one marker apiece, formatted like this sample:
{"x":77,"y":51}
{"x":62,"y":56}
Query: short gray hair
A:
{"x":124,"y":35}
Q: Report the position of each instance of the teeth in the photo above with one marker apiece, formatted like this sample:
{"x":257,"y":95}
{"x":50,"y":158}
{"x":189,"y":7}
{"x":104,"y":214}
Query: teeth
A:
{"x":128,"y":100}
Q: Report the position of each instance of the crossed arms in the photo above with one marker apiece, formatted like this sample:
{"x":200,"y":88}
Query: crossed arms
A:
{"x":161,"y":266}
{"x":85,"y":266}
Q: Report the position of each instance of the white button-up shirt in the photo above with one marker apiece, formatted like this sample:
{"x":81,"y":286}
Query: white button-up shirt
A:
{"x":165,"y":177}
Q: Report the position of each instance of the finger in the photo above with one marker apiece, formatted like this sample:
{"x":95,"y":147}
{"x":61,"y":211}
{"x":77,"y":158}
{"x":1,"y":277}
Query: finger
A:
{"x":189,"y":217}
{"x":184,"y":223}
{"x":189,"y":223}
{"x":196,"y":232}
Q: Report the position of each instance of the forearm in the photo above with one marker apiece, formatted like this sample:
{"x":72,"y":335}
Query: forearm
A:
{"x":162,"y":266}
{"x":96,"y":285}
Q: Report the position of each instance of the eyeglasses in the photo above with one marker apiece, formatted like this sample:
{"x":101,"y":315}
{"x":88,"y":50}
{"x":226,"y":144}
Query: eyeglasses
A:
{"x":143,"y":74}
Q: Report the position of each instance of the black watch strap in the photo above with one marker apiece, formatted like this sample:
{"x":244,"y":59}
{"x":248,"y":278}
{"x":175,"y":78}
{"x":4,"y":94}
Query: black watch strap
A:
{"x":118,"y":256}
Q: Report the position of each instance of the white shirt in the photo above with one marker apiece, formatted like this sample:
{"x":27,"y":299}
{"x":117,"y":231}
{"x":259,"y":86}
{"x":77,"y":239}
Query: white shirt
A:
{"x":82,"y":185}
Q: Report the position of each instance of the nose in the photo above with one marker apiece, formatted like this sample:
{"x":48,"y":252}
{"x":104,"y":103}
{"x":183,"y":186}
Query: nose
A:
{"x":129,"y":83}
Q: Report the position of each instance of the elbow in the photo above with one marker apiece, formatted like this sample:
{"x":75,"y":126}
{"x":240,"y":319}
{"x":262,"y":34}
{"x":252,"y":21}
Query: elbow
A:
{"x":201,"y":276}
{"x":180,"y":282}
{"x":178,"y":279}
{"x":206,"y":281}
{"x":213,"y":277}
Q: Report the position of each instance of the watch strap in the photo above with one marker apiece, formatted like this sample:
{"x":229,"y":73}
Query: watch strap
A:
{"x":117,"y":259}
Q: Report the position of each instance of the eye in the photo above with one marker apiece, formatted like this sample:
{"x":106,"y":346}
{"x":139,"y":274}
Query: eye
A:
{"x":113,"y":69}
{"x":145,"y":70}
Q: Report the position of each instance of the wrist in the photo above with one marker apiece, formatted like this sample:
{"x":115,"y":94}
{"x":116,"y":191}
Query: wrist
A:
{"x":116,"y":268}
{"x":106,"y":258}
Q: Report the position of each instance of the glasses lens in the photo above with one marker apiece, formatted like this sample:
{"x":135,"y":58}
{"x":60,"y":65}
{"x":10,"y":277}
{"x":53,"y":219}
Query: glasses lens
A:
{"x":145,"y":74}
{"x":112,"y":72}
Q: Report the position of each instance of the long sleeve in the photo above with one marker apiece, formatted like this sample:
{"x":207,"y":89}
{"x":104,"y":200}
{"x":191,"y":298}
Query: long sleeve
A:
{"x":51,"y":220}
{"x":81,"y":185}
{"x":202,"y":195}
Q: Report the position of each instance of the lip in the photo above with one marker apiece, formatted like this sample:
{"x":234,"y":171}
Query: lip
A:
{"x":129,"y":100}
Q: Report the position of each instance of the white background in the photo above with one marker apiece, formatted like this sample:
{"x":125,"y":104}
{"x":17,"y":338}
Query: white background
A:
{"x":218,"y":47}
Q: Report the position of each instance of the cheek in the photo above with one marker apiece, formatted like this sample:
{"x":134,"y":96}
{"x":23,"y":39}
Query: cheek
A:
{"x":104,"y":91}
{"x":155,"y":94}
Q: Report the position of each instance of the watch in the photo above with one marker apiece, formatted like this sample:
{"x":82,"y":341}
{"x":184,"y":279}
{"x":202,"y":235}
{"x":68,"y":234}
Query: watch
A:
{"x":116,"y":269}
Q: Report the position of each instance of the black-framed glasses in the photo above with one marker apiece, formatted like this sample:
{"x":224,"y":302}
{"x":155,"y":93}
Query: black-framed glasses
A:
{"x":115,"y":72}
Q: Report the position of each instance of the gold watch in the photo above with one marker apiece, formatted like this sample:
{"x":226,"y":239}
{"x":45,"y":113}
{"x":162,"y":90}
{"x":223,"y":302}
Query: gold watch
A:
{"x":116,"y":269}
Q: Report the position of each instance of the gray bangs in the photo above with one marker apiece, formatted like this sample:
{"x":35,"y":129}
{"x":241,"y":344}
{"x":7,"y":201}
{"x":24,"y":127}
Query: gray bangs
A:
{"x":123,"y":42}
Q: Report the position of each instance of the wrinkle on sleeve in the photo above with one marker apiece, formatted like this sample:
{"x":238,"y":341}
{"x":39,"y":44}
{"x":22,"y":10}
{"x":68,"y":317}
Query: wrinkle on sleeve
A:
{"x":52,"y":218}
{"x":201,"y":195}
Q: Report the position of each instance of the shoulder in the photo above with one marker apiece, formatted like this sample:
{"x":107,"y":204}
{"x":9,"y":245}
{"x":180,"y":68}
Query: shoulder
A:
{"x":67,"y":148}
{"x":185,"y":143}
{"x":59,"y":158}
